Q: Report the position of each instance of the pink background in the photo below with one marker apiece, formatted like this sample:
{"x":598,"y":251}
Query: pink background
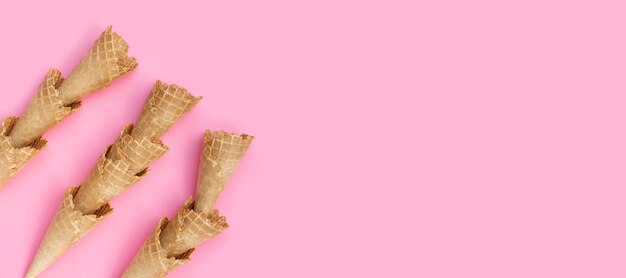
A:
{"x":394,"y":138}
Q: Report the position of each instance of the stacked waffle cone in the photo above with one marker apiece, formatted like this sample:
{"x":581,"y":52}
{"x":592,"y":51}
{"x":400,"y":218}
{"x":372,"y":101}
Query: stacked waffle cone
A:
{"x":119,"y":167}
{"x":57,"y":98}
{"x":172,"y":242}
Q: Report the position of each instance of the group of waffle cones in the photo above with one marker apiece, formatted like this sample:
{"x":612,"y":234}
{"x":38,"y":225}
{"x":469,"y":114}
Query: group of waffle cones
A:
{"x":122,"y":164}
{"x":56,"y":98}
{"x":173,"y":241}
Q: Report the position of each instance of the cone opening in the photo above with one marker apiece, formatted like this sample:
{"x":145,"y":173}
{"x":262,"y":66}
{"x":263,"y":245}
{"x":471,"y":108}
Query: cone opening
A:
{"x":161,"y":88}
{"x":228,"y":139}
{"x":125,"y":63}
{"x":221,"y":134}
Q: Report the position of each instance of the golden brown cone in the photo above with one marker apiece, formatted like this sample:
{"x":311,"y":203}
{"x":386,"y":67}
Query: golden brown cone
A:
{"x":221,"y":153}
{"x":152,"y":260}
{"x":57,"y":98}
{"x":164,"y":107}
{"x":193,"y":224}
{"x":106,"y":60}
{"x":13,"y":159}
{"x":67,"y":227}
{"x":44,"y":111}
{"x":190,"y":228}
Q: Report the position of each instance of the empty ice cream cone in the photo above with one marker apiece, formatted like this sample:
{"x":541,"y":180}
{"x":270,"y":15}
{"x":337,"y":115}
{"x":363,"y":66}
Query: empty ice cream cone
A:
{"x":67,"y":227}
{"x":57,"y":98}
{"x":221,"y":153}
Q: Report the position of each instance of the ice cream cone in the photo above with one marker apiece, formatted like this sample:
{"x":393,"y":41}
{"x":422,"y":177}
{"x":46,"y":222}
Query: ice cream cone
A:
{"x":106,"y":60}
{"x":12,"y":159}
{"x":67,"y":227}
{"x":44,"y":111}
{"x":194,"y":223}
{"x":164,"y":107}
{"x":152,"y":261}
{"x":221,"y":153}
{"x":57,"y":98}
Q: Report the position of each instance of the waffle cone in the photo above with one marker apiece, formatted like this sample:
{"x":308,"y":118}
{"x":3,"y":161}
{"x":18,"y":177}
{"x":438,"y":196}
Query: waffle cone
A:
{"x":44,"y":111}
{"x":172,"y":243}
{"x":152,"y":260}
{"x":164,"y":107}
{"x":67,"y":227}
{"x":106,"y":61}
{"x":221,"y":153}
{"x":12,"y":159}
{"x":189,"y":228}
{"x":57,"y":98}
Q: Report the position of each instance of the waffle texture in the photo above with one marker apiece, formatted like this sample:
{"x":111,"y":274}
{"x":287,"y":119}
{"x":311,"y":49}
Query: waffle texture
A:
{"x":172,"y":244}
{"x":221,"y":153}
{"x":164,"y":107}
{"x":44,"y":111}
{"x":152,"y":260}
{"x":117,"y":170}
{"x":189,"y":228}
{"x":106,"y":60}
{"x":12,"y":159}
{"x":126,"y":161}
{"x":57,"y":98}
{"x":67,"y":227}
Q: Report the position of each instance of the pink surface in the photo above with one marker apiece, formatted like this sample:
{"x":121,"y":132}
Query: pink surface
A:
{"x":394,"y":138}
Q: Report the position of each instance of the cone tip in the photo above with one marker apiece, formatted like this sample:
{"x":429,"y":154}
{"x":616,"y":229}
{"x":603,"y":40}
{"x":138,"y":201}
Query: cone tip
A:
{"x":36,"y":268}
